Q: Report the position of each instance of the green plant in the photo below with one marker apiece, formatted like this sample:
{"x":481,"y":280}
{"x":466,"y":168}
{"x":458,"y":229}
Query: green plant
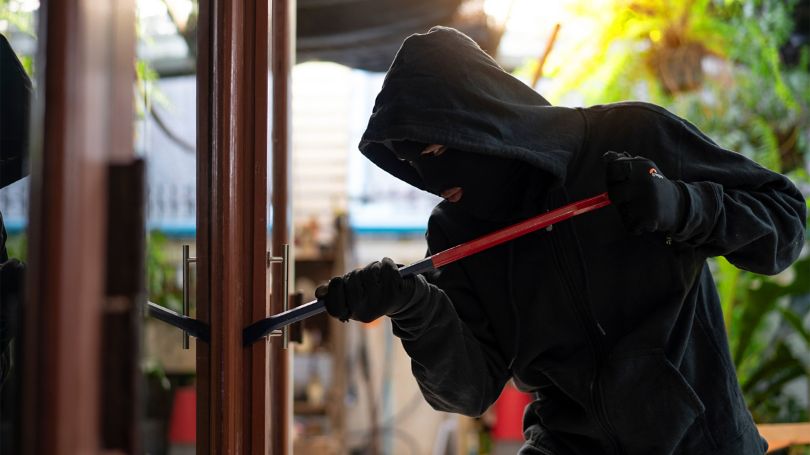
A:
{"x":14,"y":16}
{"x":161,"y":274}
{"x":769,"y":335}
{"x":717,"y":63}
{"x":760,"y":107}
{"x":17,"y":246}
{"x":642,"y":48}
{"x":153,"y":370}
{"x":659,"y":51}
{"x":157,"y":392}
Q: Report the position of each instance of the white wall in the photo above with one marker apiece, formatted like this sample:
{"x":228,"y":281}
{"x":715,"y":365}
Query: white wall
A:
{"x":331,"y":105}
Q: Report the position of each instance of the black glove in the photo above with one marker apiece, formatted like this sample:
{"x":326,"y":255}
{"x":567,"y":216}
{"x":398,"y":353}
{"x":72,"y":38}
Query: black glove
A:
{"x":646,"y":200}
{"x":368,"y":293}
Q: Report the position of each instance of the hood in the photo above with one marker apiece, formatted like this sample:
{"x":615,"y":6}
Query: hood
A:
{"x":443,"y":89}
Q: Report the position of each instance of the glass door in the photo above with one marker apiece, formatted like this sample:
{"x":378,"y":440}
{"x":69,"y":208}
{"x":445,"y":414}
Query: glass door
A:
{"x":166,"y":116}
{"x":109,"y":287}
{"x":77,"y":351}
{"x":18,"y":64}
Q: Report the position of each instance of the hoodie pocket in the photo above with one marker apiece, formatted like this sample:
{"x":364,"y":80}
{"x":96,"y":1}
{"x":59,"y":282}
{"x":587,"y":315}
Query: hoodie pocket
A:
{"x":649,"y":404}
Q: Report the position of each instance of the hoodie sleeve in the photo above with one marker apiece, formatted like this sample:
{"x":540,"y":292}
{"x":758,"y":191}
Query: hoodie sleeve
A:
{"x":454,"y":356}
{"x":734,"y":207}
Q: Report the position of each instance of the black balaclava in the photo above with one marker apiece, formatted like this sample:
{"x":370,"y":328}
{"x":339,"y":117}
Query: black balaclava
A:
{"x":493,"y":188}
{"x":505,"y":143}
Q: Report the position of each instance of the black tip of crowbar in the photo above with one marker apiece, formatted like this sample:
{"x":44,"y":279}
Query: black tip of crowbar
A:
{"x":264,"y":327}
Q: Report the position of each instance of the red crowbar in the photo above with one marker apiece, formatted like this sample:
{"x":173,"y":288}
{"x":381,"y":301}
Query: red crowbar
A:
{"x":265,"y":326}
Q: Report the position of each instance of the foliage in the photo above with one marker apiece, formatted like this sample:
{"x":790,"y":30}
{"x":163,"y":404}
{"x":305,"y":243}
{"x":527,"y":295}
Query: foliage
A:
{"x":761,"y":107}
{"x":156,"y":389}
{"x":162,"y":281}
{"x":164,"y":290}
{"x":17,"y":246}
{"x":769,"y":335}
{"x":19,"y":20}
{"x":717,"y":63}
{"x":147,"y":92}
{"x":152,"y":369}
{"x":657,"y":42}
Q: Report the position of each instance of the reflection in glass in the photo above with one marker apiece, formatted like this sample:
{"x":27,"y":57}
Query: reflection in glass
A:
{"x":17,"y":48}
{"x":165,"y":135}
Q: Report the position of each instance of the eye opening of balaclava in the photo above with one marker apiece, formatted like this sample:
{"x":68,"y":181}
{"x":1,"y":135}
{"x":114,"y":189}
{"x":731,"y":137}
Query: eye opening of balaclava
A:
{"x":491,"y":187}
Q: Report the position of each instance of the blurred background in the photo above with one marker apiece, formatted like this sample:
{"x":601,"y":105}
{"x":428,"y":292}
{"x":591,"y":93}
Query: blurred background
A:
{"x":738,"y":69}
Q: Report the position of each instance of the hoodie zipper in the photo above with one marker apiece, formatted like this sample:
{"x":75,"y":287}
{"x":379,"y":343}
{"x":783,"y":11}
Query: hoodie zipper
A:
{"x":593,"y":331}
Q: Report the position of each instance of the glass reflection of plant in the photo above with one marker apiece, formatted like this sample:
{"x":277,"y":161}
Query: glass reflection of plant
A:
{"x":19,"y":17}
{"x":162,"y":274}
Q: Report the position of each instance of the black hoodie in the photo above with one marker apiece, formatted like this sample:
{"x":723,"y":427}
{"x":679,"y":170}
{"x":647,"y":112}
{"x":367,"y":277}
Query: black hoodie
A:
{"x":620,"y":336}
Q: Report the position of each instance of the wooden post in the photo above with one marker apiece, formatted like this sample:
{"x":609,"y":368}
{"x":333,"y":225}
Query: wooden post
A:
{"x":231,"y":224}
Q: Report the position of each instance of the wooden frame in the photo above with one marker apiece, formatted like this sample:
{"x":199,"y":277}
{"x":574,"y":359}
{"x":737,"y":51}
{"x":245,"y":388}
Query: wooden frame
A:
{"x":231,"y":225}
{"x":281,"y":69}
{"x":87,"y":124}
{"x":82,"y":122}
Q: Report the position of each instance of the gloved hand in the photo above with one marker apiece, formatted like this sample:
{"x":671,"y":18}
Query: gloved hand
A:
{"x":646,"y":200}
{"x":368,"y":293}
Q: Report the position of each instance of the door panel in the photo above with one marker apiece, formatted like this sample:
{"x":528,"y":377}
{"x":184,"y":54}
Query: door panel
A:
{"x":283,"y":43}
{"x":232,"y":224}
{"x":84,"y":280}
{"x":83,"y":125}
{"x":18,"y":62}
{"x":165,"y":135}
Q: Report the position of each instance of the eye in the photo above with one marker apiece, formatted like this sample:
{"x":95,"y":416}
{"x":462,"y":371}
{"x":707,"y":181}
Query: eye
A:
{"x":433,"y":150}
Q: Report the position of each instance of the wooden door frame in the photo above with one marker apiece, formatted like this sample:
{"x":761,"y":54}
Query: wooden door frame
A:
{"x":282,"y":57}
{"x":84,"y":111}
{"x":233,"y":381}
{"x":82,"y":122}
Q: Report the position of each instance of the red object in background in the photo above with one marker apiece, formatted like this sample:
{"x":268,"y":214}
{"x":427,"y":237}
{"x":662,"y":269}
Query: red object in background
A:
{"x":183,"y":421}
{"x":509,"y":414}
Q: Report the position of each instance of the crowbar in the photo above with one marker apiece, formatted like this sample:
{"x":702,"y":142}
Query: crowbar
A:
{"x":195,"y":328}
{"x":262,"y":328}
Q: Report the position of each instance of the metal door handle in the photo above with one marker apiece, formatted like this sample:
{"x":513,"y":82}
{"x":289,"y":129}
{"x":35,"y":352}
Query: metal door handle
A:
{"x":284,"y":259}
{"x":186,"y":310}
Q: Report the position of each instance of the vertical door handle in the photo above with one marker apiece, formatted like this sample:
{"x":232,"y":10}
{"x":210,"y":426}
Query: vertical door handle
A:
{"x":284,"y":260}
{"x":187,"y":260}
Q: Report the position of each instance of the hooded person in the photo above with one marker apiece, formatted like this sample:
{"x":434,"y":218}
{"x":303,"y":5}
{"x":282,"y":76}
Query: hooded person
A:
{"x":611,"y":319}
